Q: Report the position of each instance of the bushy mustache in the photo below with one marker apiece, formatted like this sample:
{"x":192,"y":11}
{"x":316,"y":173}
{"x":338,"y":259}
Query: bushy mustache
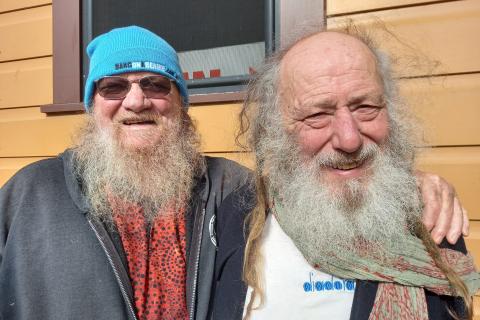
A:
{"x":338,"y":158}
{"x":146,"y":116}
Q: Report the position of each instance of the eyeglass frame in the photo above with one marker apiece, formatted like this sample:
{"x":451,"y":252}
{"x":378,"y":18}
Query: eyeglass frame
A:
{"x":172,"y":83}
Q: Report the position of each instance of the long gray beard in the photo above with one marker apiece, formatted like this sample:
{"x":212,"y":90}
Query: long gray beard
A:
{"x":370,"y":216}
{"x":158,"y":178}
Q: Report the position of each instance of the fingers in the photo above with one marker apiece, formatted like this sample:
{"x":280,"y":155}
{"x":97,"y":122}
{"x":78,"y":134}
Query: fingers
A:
{"x":444,"y":221}
{"x":431,"y":211}
{"x":443,"y":213}
{"x":466,"y":223}
{"x":431,"y":199}
{"x":457,"y":222}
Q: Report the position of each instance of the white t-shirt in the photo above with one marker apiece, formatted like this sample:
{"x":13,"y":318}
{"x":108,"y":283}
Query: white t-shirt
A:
{"x":295,"y":290}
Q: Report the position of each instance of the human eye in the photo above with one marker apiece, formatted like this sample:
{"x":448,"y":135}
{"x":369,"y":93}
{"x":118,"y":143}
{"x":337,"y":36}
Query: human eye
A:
{"x":112,"y":87}
{"x":366,"y":112}
{"x":157,"y":84}
{"x":318,"y":119}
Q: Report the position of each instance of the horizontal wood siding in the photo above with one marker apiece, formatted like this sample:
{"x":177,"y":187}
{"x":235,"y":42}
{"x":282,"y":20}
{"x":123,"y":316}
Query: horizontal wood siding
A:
{"x":26,"y":83}
{"x":473,"y":241}
{"x":11,"y":5}
{"x":460,"y":166}
{"x":33,"y":138}
{"x":217,"y":125}
{"x":343,"y":7}
{"x":445,"y":32}
{"x":447,"y":106}
{"x":26,"y":34}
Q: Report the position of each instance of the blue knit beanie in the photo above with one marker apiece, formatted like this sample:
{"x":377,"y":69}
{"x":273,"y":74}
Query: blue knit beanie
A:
{"x":131,"y":49}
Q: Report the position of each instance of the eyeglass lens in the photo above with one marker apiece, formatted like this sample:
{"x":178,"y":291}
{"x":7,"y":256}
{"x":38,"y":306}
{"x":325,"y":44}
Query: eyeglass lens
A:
{"x":114,"y":88}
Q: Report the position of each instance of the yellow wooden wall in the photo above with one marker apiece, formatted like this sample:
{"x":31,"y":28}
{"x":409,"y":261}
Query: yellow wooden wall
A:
{"x":449,"y":103}
{"x":25,"y":79}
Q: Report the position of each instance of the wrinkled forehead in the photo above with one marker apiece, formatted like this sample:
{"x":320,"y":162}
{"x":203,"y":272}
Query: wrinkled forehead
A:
{"x":324,"y":56}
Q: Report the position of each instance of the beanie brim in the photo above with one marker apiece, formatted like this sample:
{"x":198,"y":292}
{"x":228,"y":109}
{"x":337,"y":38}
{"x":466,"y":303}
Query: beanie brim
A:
{"x":126,"y":61}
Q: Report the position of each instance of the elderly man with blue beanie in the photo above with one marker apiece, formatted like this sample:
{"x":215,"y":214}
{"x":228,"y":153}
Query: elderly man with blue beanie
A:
{"x":122,"y":225}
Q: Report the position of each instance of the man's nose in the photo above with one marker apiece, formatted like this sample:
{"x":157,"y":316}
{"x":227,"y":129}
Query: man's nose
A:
{"x":346,"y":134}
{"x":135,"y":100}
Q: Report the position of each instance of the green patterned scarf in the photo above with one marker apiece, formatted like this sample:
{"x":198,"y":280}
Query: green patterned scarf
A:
{"x":403,"y":276}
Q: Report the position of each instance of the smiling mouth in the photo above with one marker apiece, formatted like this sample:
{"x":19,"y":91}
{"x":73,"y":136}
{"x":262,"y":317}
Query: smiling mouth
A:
{"x":129,"y":122}
{"x":347,"y":166}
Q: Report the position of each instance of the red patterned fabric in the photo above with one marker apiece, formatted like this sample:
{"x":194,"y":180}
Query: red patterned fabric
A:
{"x":156,"y":261}
{"x":395,"y":301}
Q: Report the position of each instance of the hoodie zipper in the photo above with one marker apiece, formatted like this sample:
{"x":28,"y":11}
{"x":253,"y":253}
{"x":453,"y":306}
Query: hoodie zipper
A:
{"x":115,"y":272}
{"x":197,"y":262}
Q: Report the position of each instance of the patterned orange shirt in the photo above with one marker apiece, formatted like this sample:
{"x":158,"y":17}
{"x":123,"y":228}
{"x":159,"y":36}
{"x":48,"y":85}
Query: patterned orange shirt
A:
{"x":156,"y":261}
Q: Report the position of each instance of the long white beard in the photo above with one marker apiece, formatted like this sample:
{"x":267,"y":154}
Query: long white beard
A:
{"x":366,"y":216}
{"x":156,"y":178}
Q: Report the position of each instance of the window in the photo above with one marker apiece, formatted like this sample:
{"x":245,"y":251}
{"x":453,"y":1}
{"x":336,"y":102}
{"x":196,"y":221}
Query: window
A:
{"x":220,"y":43}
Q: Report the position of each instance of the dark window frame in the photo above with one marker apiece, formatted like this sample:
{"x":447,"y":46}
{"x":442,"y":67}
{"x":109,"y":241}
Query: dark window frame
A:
{"x":66,"y":48}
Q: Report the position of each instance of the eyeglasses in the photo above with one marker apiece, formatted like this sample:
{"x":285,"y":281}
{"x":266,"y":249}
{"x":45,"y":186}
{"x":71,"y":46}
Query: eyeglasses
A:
{"x":117,"y":88}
